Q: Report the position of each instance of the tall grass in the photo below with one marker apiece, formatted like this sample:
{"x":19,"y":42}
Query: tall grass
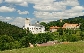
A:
{"x":75,"y":47}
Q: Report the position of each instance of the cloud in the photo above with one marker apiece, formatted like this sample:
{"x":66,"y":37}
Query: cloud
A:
{"x":5,"y":19}
{"x":7,"y":9}
{"x":17,"y":2}
{"x":23,"y":4}
{"x":24,"y":12}
{"x":52,"y":5}
{"x":68,"y":2}
{"x":18,"y":21}
{"x":56,"y":15}
{"x":14,"y":1}
{"x":46,"y":10}
{"x":1,"y":1}
{"x":58,"y":9}
{"x":13,"y":21}
{"x":76,"y":9}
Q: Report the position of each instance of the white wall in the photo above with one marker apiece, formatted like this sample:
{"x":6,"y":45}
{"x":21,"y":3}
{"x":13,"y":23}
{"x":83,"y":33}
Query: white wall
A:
{"x":36,"y":30}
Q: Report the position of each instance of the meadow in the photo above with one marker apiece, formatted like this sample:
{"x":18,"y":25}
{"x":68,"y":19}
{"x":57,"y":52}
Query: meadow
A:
{"x":72,"y":47}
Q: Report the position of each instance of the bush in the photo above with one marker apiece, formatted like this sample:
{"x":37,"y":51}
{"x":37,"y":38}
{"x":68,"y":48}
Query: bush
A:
{"x":72,"y":38}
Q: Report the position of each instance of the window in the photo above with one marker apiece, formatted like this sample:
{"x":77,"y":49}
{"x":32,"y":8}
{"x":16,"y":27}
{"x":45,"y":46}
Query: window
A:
{"x":32,"y":28}
{"x":39,"y":28}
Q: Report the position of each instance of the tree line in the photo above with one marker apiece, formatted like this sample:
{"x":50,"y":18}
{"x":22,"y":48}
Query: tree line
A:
{"x":76,"y":20}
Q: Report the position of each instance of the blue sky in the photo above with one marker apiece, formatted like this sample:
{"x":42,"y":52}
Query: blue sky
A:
{"x":15,"y":11}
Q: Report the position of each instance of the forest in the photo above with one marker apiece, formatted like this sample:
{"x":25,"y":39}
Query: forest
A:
{"x":13,"y":37}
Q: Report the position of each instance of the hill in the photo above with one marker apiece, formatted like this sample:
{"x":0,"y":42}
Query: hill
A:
{"x":10,"y":36}
{"x":8,"y":29}
{"x":76,"y":47}
{"x":13,"y":37}
{"x":76,"y":20}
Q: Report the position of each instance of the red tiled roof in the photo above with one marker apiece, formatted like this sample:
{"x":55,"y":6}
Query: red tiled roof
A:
{"x":54,"y":27}
{"x":64,"y":26}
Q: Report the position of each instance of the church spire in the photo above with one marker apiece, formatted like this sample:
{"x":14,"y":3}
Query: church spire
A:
{"x":60,"y":19}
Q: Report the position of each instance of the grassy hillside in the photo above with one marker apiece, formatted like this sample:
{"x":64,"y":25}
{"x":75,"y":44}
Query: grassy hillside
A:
{"x":76,"y":47}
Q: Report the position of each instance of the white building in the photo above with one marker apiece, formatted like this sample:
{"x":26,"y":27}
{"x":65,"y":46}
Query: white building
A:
{"x":34,"y":28}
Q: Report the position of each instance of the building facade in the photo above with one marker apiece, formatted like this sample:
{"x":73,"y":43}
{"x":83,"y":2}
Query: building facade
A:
{"x":65,"y":26}
{"x":71,"y":26}
{"x":34,"y":28}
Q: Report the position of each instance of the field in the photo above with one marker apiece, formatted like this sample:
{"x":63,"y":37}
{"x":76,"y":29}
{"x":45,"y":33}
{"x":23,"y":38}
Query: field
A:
{"x":74,"y":47}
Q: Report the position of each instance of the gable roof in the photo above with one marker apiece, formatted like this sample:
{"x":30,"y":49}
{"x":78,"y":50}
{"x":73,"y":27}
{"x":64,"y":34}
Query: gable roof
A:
{"x":64,"y":26}
{"x":54,"y":27}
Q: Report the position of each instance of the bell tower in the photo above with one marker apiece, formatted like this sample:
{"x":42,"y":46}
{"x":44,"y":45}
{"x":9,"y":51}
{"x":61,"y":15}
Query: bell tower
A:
{"x":60,"y":20}
{"x":27,"y":23}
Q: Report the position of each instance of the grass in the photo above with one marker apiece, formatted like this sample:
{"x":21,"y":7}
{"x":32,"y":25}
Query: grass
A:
{"x":75,"y":47}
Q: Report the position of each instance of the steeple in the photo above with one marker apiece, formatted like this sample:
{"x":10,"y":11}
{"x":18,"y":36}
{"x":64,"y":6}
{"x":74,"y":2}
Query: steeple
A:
{"x":27,"y":22}
{"x":60,"y":19}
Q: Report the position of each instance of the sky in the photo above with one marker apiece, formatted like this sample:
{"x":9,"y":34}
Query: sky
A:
{"x":16,"y":11}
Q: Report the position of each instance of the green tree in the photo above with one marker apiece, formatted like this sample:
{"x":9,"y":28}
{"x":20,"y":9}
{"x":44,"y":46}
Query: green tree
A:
{"x":5,"y":42}
{"x":82,"y":26}
{"x":60,"y":30}
{"x":82,"y":35}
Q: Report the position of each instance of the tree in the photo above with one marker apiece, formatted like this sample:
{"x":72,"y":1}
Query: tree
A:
{"x":60,"y":30}
{"x":5,"y":42}
{"x":82,"y":35}
{"x":82,"y":26}
{"x":46,"y":26}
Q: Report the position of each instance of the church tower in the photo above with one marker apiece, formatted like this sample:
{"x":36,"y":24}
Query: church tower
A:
{"x":27,"y":23}
{"x":60,"y":20}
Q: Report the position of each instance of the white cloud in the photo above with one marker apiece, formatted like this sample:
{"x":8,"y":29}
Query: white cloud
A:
{"x":5,"y":19}
{"x":23,"y":4}
{"x":18,"y":21}
{"x":46,"y":4}
{"x":24,"y":12}
{"x":69,"y":2}
{"x":50,"y":5}
{"x":58,"y":9}
{"x":1,"y":1}
{"x":57,"y":15}
{"x":6,"y":9}
{"x":47,"y":10}
{"x":14,"y":1}
{"x":76,"y":9}
{"x":17,"y":2}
